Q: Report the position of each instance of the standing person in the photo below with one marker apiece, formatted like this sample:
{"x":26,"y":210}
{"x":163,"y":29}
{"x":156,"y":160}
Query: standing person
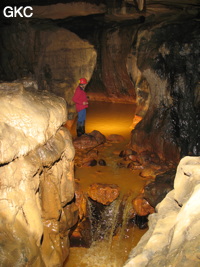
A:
{"x":81,"y":101}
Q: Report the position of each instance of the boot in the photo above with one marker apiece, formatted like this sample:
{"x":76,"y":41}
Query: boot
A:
{"x":79,"y":129}
{"x":83,"y":129}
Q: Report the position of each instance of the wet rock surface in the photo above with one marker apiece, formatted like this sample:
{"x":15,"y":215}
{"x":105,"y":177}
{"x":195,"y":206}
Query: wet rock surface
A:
{"x":36,"y":168}
{"x":141,"y":206}
{"x":103,"y":193}
{"x":90,"y":140}
{"x":155,"y":191}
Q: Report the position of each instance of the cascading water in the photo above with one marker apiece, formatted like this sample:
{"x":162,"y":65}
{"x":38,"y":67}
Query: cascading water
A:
{"x":103,"y":219}
{"x":110,"y":231}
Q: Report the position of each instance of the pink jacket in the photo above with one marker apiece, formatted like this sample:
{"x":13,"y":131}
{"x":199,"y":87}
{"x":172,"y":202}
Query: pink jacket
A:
{"x":78,"y":98}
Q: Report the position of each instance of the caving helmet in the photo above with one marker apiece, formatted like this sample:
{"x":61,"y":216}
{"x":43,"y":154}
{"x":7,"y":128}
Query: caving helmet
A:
{"x":82,"y":81}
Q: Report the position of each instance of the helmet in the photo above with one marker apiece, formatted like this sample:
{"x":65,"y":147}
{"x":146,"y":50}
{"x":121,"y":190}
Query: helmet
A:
{"x":83,"y":81}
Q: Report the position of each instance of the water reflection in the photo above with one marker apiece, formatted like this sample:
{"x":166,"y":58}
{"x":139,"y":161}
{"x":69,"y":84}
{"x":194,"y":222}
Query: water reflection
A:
{"x":109,"y":118}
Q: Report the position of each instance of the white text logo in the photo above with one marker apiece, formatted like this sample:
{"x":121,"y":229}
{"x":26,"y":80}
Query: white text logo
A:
{"x":13,"y":12}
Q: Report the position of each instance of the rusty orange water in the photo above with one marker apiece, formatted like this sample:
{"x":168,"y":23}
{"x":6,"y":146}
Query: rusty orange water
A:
{"x":109,"y":118}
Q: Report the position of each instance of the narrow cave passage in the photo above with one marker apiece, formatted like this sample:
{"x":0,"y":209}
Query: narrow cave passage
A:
{"x":107,"y":246}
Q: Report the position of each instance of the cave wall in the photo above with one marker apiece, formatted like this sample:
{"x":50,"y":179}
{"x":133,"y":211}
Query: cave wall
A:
{"x":110,"y":74}
{"x":55,"y":57}
{"x":37,"y":206}
{"x":173,"y":235}
{"x":168,"y":60}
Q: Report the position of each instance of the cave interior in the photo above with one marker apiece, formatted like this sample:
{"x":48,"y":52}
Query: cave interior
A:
{"x":144,"y":53}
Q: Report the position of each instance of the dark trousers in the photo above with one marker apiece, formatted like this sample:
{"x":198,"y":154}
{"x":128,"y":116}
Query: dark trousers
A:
{"x":81,"y":122}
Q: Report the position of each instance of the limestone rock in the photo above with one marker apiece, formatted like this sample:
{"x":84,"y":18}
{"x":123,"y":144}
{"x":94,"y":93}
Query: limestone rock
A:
{"x":103,"y":193}
{"x":173,"y":235}
{"x":36,"y":178}
{"x":27,"y":118}
{"x":90,"y":140}
{"x":166,"y":127}
{"x":188,"y":175}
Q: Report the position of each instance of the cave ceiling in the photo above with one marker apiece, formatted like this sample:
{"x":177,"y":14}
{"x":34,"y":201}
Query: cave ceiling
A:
{"x":111,"y":9}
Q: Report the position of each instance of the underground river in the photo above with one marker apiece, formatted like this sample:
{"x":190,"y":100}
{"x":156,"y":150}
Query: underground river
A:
{"x":109,"y":118}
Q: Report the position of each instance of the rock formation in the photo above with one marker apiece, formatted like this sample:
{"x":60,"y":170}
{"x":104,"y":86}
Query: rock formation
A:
{"x":37,"y":183}
{"x":173,"y":235}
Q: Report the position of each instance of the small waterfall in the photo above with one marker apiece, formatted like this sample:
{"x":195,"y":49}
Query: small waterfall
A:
{"x":103,"y":219}
{"x":108,"y":233}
